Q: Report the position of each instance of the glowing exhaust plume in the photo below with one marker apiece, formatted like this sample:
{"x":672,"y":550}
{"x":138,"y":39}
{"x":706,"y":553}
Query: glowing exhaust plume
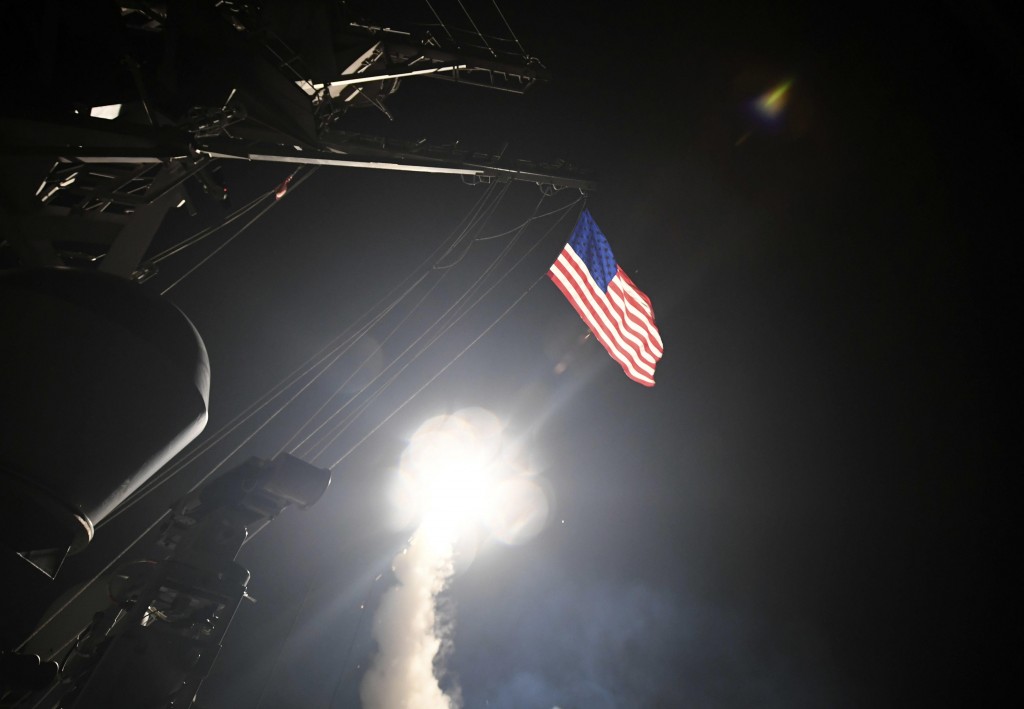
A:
{"x":449,"y":480}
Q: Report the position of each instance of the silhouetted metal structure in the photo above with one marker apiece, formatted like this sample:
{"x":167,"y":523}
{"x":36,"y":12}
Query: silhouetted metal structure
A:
{"x":121,"y":111}
{"x":103,"y":382}
{"x":156,"y":641}
{"x":185,"y":84}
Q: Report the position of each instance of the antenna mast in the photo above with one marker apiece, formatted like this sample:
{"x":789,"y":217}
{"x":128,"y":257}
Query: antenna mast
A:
{"x":188,"y":84}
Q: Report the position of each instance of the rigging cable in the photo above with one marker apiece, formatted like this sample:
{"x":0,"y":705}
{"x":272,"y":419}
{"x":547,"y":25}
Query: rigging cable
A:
{"x":509,"y":28}
{"x":438,"y":374}
{"x":341,"y":387}
{"x":454,"y":359}
{"x":98,"y":575}
{"x":311,"y":364}
{"x":476,"y":222}
{"x":294,"y":185}
{"x":333,"y":355}
{"x":437,"y":323}
{"x":531,"y":219}
{"x":87,"y":584}
{"x":480,"y":34}
{"x":148,"y":529}
{"x":518,"y":232}
{"x":466,"y":349}
{"x":480,"y":214}
{"x":447,"y":31}
{"x":315,"y":577}
{"x":483,"y":218}
{"x":343,"y":425}
{"x":208,"y":231}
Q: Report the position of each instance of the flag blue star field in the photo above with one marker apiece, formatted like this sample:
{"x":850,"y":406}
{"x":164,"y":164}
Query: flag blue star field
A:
{"x":616,"y":311}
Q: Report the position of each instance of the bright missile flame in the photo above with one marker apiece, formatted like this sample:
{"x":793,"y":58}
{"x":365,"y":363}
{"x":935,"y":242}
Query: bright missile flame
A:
{"x":455,"y":476}
{"x":452,"y":470}
{"x":444,"y":483}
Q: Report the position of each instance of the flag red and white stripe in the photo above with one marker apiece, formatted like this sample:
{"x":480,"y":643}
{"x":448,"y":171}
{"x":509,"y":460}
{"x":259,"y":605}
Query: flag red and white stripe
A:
{"x":620,"y":315}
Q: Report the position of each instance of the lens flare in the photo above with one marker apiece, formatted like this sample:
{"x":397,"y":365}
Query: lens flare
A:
{"x":519,"y":510}
{"x":771,"y":103}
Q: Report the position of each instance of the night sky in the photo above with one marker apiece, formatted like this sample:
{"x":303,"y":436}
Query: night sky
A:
{"x":809,"y":509}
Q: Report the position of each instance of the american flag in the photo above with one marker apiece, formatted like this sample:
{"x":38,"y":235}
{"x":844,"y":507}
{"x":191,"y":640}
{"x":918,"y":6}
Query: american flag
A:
{"x":616,"y":311}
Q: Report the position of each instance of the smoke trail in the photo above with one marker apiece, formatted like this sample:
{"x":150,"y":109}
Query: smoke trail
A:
{"x":409,"y":632}
{"x":449,"y":480}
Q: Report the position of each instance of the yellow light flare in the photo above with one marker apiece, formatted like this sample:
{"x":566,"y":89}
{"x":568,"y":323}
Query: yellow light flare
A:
{"x":771,"y":103}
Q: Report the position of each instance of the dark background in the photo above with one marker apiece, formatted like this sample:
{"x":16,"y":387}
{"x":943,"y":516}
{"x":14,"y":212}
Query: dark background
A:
{"x":812,"y":507}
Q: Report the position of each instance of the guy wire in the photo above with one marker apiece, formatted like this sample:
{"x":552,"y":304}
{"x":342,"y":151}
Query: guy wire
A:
{"x":367,"y":403}
{"x":468,"y":292}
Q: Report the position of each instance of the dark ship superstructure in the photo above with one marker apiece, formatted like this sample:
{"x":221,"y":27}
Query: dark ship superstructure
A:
{"x":125,"y":110}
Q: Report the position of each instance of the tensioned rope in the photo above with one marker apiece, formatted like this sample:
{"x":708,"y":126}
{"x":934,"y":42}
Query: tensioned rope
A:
{"x":341,"y":387}
{"x":206,"y":476}
{"x":335,"y":432}
{"x":148,"y":529}
{"x":464,"y":350}
{"x":448,"y":365}
{"x":490,"y":237}
{"x":208,"y":231}
{"x":344,"y":384}
{"x":451,"y":31}
{"x":470,"y":223}
{"x":440,"y":20}
{"x":324,"y":354}
{"x":294,"y":185}
{"x":460,"y":233}
{"x":315,"y":577}
{"x":374,"y":315}
{"x":509,"y":28}
{"x":477,"y":29}
{"x":446,"y":245}
{"x":477,"y":221}
{"x":334,"y":359}
{"x":91,"y":581}
{"x":339,"y":428}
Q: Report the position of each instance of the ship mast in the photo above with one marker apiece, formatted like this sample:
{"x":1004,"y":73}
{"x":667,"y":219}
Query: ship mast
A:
{"x":201,"y":82}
